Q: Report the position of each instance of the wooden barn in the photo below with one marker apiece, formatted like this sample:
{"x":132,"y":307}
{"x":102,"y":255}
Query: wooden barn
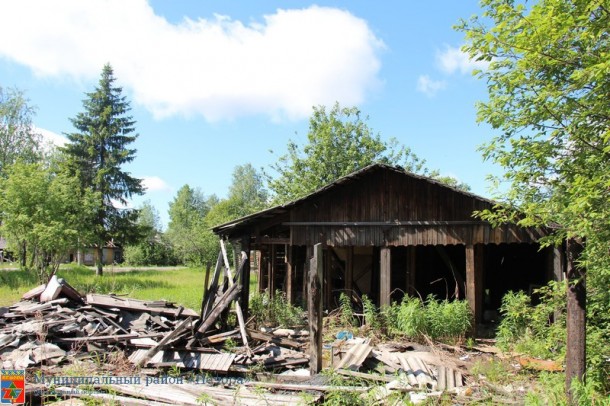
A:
{"x":386,"y":233}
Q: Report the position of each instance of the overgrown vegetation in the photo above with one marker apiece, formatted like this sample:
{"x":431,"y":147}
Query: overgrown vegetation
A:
{"x":444,"y":320}
{"x":536,"y":330}
{"x":540,"y":331}
{"x":274,"y":311}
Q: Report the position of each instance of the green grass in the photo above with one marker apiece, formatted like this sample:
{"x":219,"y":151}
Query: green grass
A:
{"x":183,"y":286}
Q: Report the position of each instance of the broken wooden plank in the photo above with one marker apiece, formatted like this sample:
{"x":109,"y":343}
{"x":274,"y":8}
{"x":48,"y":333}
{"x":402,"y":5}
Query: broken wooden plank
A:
{"x":210,"y":294}
{"x":223,"y":303}
{"x":181,"y":327}
{"x":137,"y":305}
{"x":366,"y":376}
{"x":301,"y":387}
{"x":266,"y":337}
{"x":240,"y":315}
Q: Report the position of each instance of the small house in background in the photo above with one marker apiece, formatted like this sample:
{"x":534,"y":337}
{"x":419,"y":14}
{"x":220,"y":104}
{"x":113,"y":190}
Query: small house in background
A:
{"x":111,"y":253}
{"x":387,"y":233}
{"x":5,"y":255}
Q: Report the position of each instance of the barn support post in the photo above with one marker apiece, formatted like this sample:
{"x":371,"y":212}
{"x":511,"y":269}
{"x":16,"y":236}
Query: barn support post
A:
{"x":349,"y":271}
{"x":474,"y":282}
{"x":411,"y":257}
{"x":308,"y":257}
{"x":245,"y":276}
{"x":271,"y":281}
{"x":385,"y":281}
{"x":314,"y":310}
{"x":289,"y":273}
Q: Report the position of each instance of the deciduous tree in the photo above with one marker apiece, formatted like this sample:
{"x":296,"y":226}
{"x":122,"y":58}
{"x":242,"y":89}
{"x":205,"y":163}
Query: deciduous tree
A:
{"x":339,"y":142}
{"x":549,"y":84}
{"x":48,"y":212}
{"x":18,"y":138}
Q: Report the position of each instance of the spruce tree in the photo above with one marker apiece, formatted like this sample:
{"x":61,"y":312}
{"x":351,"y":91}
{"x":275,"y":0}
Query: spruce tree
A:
{"x":95,"y":154}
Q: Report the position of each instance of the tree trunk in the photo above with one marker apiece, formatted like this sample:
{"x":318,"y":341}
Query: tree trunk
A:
{"x":99,"y":260}
{"x":576,"y":319}
{"x":24,"y":254}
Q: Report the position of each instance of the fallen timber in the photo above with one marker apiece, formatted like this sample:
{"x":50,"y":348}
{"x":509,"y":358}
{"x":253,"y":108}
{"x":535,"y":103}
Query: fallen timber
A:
{"x":157,"y":336}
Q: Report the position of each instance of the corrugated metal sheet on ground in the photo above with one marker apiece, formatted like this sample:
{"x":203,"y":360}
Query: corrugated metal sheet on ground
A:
{"x":183,"y":359}
{"x":355,"y":356}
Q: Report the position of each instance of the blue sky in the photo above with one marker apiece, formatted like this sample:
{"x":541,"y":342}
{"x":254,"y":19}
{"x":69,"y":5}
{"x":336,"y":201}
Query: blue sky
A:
{"x":217,"y":84}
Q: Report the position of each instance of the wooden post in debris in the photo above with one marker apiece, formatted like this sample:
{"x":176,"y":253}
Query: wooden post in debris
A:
{"x":385,"y":279}
{"x":210,"y":293}
{"x":576,"y":319}
{"x":474,"y":282}
{"x":314,"y":310}
{"x":238,"y":311}
{"x":289,"y":273}
{"x":245,"y":276}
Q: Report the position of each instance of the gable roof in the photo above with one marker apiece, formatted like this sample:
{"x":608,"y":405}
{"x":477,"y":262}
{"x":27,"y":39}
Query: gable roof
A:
{"x":352,"y":177}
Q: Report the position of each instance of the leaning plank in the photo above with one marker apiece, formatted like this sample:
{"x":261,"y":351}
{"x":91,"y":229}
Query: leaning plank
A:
{"x":223,"y":304}
{"x":284,"y":342}
{"x":354,"y":358}
{"x":210,"y":293}
{"x":137,"y":305}
{"x":181,"y":327}
{"x":240,"y":315}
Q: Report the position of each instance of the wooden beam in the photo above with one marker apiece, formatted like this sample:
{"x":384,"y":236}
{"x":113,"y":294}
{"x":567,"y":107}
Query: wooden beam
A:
{"x":238,"y":311}
{"x":271,"y":281}
{"x":273,"y":240}
{"x":210,"y":293}
{"x":245,"y":276}
{"x":385,"y":280}
{"x":386,"y":223}
{"x":314,"y":310}
{"x":289,"y":273}
{"x":411,"y":270}
{"x":349,"y":270}
{"x":474,"y":282}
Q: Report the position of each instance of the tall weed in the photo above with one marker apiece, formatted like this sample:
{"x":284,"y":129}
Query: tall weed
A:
{"x":275,"y":311}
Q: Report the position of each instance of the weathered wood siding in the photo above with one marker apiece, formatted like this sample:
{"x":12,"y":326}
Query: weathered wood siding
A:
{"x":385,"y":196}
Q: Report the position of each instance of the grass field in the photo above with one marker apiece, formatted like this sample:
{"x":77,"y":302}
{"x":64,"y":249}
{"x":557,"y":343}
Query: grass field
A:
{"x":183,"y":286}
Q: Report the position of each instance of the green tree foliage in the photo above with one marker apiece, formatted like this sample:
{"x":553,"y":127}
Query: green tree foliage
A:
{"x":18,"y":139}
{"x":46,"y":212}
{"x":96,"y":153}
{"x":339,"y":142}
{"x":247,"y":195}
{"x":154,"y":248}
{"x":187,"y":230}
{"x":247,"y":190}
{"x":549,"y":85}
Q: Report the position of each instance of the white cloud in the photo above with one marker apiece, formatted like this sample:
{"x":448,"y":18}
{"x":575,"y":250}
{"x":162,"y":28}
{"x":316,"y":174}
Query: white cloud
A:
{"x":428,"y":86}
{"x":155,"y":184}
{"x":51,"y":137}
{"x":453,"y":60}
{"x":218,"y":67}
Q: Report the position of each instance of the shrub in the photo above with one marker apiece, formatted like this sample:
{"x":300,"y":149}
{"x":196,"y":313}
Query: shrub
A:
{"x":274,"y":311}
{"x":535,"y":330}
{"x":442,"y":320}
